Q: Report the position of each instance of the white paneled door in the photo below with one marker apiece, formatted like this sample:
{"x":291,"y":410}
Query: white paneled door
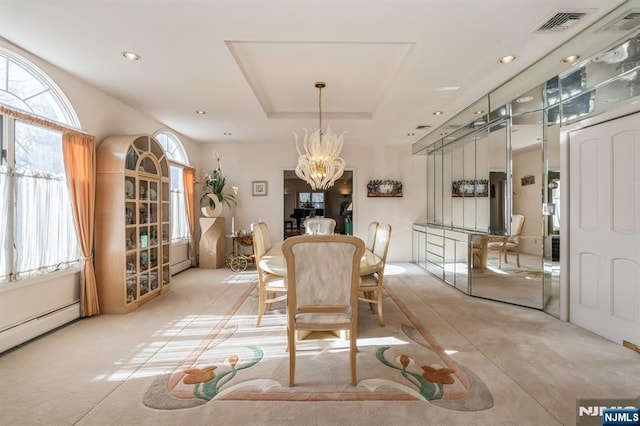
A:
{"x":604,"y":229}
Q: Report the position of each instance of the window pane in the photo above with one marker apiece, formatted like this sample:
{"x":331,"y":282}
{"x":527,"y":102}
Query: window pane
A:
{"x":304,"y":197}
{"x":45,"y":237}
{"x":46,"y":105}
{"x":3,"y":73}
{"x":22,"y":83}
{"x":38,"y":149}
{"x":5,"y":233}
{"x":179,"y":221}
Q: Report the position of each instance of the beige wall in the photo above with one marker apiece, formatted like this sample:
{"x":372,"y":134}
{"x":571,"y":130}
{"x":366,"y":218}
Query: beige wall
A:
{"x":527,"y":200}
{"x":243,"y":163}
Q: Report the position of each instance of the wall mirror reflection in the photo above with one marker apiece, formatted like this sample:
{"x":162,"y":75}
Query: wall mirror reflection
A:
{"x":507,"y":265}
{"x":302,"y":203}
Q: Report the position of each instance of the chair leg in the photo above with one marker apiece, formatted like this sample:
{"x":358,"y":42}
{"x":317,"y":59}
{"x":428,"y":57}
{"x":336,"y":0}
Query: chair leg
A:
{"x":380,"y":317}
{"x":372,"y":306}
{"x":291,"y":341}
{"x":353,"y":350}
{"x":518,"y":257}
{"x":261,"y":304}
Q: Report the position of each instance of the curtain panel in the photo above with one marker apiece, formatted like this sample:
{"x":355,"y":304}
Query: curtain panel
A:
{"x":80,"y":165}
{"x":189,"y":176}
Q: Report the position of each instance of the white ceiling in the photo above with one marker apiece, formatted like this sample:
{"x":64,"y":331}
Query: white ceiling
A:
{"x":252,"y":64}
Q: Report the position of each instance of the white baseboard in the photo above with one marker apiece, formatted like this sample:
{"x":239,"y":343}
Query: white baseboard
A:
{"x":26,"y":331}
{"x":180,"y":266}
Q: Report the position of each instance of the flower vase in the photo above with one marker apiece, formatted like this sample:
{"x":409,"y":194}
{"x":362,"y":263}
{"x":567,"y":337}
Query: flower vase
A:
{"x":213,"y":212}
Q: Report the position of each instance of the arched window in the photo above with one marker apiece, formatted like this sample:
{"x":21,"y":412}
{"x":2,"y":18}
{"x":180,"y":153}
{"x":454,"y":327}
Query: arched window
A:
{"x":176,"y":153}
{"x":172,"y":146}
{"x":37,"y":230}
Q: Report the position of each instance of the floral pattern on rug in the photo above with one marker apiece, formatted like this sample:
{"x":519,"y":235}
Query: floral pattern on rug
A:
{"x":236,"y":361}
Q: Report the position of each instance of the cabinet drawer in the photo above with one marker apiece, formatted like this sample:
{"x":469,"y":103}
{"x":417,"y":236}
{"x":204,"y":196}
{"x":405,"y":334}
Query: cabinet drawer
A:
{"x":435,"y":249}
{"x":435,"y":270}
{"x":435,"y":231}
{"x":435,"y":239}
{"x":434,"y":258}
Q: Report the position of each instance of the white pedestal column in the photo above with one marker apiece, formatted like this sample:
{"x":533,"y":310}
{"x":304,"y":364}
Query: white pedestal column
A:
{"x":212,"y":241}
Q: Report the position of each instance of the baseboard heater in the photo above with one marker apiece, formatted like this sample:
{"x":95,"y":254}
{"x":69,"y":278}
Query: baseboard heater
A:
{"x":28,"y":330}
{"x":180,"y":266}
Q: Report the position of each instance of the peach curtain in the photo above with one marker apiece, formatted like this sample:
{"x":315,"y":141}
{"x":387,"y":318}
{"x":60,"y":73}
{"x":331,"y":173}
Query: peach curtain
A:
{"x":189,"y":176}
{"x":80,"y":165}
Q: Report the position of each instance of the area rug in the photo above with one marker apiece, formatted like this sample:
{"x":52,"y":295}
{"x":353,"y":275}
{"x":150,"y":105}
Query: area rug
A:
{"x":236,"y":361}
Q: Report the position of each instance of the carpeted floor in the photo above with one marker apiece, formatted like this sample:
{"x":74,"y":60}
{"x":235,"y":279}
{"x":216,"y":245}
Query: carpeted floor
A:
{"x":237,"y":361}
{"x":486,"y":363}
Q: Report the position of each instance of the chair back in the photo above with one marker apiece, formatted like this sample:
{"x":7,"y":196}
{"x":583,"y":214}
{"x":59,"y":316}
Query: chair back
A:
{"x":323,"y":273}
{"x":319,"y":225}
{"x":261,"y":240}
{"x":517,"y":222}
{"x":371,"y":235}
{"x":381,"y":245}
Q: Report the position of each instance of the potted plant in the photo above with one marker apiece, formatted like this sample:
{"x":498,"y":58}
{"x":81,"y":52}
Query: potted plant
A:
{"x":214,"y":188}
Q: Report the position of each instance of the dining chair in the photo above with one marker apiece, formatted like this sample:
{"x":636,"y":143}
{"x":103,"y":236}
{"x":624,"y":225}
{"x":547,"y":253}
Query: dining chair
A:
{"x":320,"y":225}
{"x":371,"y":285}
{"x":371,"y":235}
{"x":271,"y":288}
{"x":502,"y":245}
{"x":323,"y":273}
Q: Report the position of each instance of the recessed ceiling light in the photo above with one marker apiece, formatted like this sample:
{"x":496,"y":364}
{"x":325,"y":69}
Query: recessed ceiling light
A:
{"x":227,"y":133}
{"x":411,"y":134}
{"x":479,"y":112}
{"x":131,"y":56}
{"x":438,"y":112}
{"x":524,"y":99}
{"x":571,"y":59}
{"x":200,"y":112}
{"x":507,"y":59}
{"x":447,"y":88}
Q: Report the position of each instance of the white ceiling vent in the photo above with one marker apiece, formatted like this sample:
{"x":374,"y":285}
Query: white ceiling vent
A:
{"x":626,"y":22}
{"x":561,"y":21}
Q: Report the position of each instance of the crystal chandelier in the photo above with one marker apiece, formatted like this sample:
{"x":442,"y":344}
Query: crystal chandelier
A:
{"x":320,"y":165}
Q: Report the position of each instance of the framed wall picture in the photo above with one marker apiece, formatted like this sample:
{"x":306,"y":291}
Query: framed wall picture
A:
{"x":384,"y":188}
{"x":259,"y":187}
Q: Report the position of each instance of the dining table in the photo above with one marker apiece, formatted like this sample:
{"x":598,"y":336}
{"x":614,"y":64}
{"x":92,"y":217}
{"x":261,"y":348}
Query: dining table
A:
{"x":273,"y":262}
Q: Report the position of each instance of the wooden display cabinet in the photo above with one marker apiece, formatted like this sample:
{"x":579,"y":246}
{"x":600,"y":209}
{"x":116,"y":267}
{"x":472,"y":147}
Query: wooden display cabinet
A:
{"x":133,"y":232}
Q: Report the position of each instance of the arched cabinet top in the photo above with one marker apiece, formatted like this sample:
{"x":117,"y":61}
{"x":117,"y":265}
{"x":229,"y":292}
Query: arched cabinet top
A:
{"x":136,"y":153}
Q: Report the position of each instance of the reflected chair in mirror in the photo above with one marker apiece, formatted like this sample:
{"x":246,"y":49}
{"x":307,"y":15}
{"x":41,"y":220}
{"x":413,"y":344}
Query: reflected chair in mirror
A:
{"x":479,"y":251}
{"x":371,"y":285}
{"x":323,"y":273}
{"x":271,"y":288}
{"x":319,"y":225}
{"x":502,"y":245}
{"x":371,"y":235}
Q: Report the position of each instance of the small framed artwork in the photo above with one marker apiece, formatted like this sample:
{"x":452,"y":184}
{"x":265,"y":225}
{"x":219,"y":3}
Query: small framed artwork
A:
{"x":384,"y":188}
{"x":528,"y":180}
{"x":259,"y":187}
